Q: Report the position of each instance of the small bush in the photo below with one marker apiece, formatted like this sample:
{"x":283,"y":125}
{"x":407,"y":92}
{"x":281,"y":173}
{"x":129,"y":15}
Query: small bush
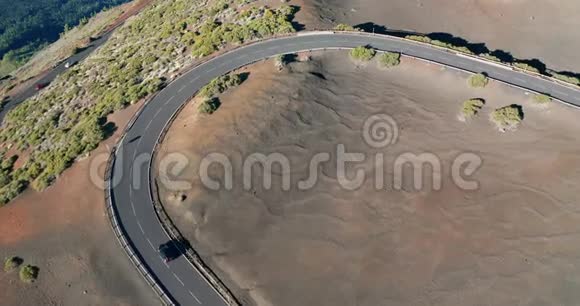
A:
{"x":527,"y":67}
{"x":390,"y":59}
{"x":344,"y":27}
{"x":471,"y":108}
{"x":419,"y":38}
{"x":565,"y":78}
{"x":209,"y":106}
{"x":490,"y":57}
{"x":220,"y":85}
{"x":542,"y":99}
{"x":478,"y":80}
{"x":12,"y":263}
{"x":28,"y":273}
{"x":507,"y":117}
{"x":363,"y":53}
{"x":462,"y":49}
{"x":280,"y":62}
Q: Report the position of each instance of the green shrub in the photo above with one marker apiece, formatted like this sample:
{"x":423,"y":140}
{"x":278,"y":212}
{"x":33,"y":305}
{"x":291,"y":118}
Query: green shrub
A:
{"x":565,"y":78}
{"x":344,"y":27}
{"x":11,"y":263}
{"x":281,"y":61}
{"x":525,"y":66}
{"x":462,"y":49}
{"x":28,"y":273}
{"x":220,"y":85}
{"x":132,"y":64}
{"x":471,"y":108}
{"x":389,"y":59}
{"x":478,"y":80}
{"x":490,"y":57}
{"x":542,"y":99}
{"x":209,"y":106}
{"x":419,"y":38}
{"x":507,"y":117}
{"x":363,"y":53}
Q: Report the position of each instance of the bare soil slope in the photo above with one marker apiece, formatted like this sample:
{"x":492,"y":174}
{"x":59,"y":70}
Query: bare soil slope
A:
{"x":513,"y":241}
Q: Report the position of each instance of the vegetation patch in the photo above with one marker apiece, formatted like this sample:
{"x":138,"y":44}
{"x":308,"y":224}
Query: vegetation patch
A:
{"x":209,"y":105}
{"x":11,"y":263}
{"x":526,"y":66}
{"x":28,"y":273}
{"x":281,"y":61}
{"x":67,"y":120}
{"x":419,"y":38}
{"x":542,"y":99}
{"x":344,"y":27}
{"x":363,"y":53}
{"x":565,"y":78}
{"x":507,"y":118}
{"x":471,"y":108}
{"x":478,"y":80}
{"x":389,"y":59}
{"x":220,"y":85}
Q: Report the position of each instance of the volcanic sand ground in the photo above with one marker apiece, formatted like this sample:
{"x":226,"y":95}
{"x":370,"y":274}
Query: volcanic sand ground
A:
{"x":65,"y":233}
{"x":515,"y":240}
{"x":546,"y":30}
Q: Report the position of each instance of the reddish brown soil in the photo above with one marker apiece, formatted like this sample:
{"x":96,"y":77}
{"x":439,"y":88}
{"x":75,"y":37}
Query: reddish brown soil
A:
{"x":64,"y":231}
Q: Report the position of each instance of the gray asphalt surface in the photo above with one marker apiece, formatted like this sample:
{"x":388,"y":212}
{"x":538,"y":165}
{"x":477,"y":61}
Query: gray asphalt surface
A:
{"x":131,"y":193}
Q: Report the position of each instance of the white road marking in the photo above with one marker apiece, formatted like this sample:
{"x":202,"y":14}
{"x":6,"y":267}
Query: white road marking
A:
{"x":190,"y":82}
{"x":151,"y":244}
{"x":521,"y":80}
{"x":140,"y":227}
{"x":179,"y":279}
{"x":212,"y":69}
{"x":133,"y":207}
{"x":562,"y":93}
{"x":182,"y":88}
{"x":147,"y":127}
{"x":195,"y":297}
{"x":158,"y":111}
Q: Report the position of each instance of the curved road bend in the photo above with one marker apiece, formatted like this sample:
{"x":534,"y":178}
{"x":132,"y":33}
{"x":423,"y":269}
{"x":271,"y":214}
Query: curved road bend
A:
{"x":135,"y":207}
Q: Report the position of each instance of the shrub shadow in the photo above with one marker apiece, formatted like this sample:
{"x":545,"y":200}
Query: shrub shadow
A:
{"x":520,"y":110}
{"x":476,"y":48}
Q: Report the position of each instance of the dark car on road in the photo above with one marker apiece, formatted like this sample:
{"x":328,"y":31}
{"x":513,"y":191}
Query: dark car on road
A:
{"x":169,"y":251}
{"x":40,"y":86}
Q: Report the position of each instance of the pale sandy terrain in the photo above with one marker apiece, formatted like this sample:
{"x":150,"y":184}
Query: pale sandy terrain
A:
{"x":64,"y":231}
{"x":545,"y":29}
{"x":514,"y":241}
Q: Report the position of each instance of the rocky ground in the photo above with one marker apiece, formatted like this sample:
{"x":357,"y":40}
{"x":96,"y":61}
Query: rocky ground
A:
{"x":512,"y":241}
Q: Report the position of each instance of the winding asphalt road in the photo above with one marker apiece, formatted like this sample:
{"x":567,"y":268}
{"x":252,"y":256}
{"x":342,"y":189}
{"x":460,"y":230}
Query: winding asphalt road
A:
{"x":131,"y":184}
